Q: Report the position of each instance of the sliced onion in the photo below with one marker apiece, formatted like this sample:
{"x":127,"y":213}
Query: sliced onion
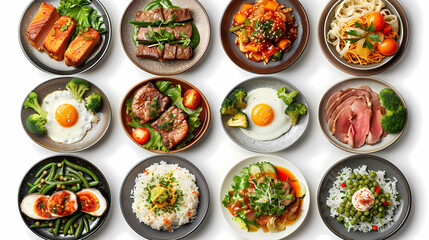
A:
{"x":275,"y":224}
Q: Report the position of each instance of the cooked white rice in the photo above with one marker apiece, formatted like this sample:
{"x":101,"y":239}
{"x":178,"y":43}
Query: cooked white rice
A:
{"x":337,"y":193}
{"x":185,"y":208}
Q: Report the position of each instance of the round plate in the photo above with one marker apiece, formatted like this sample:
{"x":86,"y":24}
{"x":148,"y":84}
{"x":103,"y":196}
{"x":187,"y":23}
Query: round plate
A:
{"x":280,"y":143}
{"x":93,"y":136}
{"x":376,"y":85}
{"x":239,"y":58}
{"x":168,"y":67}
{"x":355,"y":69}
{"x":226,"y":185}
{"x":204,"y":115}
{"x":42,"y":61}
{"x":374,"y":163}
{"x":30,"y":177}
{"x":126,"y":201}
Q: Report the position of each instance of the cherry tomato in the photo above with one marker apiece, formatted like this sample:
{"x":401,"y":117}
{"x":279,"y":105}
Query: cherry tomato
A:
{"x":141,"y":135}
{"x":377,"y":19}
{"x":388,"y":47}
{"x":191,"y":99}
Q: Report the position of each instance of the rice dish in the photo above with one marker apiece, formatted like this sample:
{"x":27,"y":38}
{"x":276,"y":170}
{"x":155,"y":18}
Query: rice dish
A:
{"x":165,"y":196}
{"x":340,"y":191}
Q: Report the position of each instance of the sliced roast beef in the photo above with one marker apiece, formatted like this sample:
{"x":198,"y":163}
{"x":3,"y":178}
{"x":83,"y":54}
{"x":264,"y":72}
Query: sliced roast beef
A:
{"x":150,"y":16}
{"x":334,"y":114}
{"x":334,"y":97}
{"x":144,"y":51}
{"x":343,"y":97}
{"x":180,"y":14}
{"x":361,"y":122}
{"x":183,"y":53}
{"x":172,"y":126}
{"x":170,"y":51}
{"x":186,"y":29}
{"x":148,"y":103}
{"x":342,"y":124}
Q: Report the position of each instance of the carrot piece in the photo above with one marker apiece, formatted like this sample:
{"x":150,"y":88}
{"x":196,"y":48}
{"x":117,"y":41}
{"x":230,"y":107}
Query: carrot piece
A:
{"x":256,"y":57}
{"x":271,"y":6}
{"x":283,"y":43}
{"x":252,"y":48}
{"x":239,"y":18}
{"x":245,"y":9}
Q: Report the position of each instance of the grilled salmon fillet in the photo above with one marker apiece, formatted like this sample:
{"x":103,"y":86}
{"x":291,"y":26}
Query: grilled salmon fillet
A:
{"x":172,"y":126}
{"x":56,"y":42}
{"x":148,"y":103}
{"x":82,"y":47}
{"x":41,"y":25}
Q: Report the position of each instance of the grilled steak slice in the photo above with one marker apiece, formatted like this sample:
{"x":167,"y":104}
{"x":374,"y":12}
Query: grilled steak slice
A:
{"x":172,"y":126}
{"x":170,"y":51}
{"x":183,"y":53}
{"x":180,"y":14}
{"x":41,"y":25}
{"x":186,"y":29}
{"x":144,"y":51}
{"x":150,"y":16}
{"x":149,"y":103}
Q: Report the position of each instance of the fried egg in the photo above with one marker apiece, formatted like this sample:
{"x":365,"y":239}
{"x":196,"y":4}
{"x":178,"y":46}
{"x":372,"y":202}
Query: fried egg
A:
{"x":266,"y":114}
{"x":68,"y":120}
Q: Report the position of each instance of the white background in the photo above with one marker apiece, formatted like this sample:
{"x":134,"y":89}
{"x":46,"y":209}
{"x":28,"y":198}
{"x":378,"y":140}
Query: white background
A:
{"x":115,"y":154}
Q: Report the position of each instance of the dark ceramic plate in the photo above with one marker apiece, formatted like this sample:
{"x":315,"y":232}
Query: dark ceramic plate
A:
{"x":204,"y":115}
{"x":142,"y":229}
{"x":355,"y":69}
{"x":93,"y":136}
{"x":42,"y":61}
{"x":280,"y":143}
{"x":103,"y":187}
{"x":374,"y":163}
{"x":201,"y":21}
{"x":376,"y":85}
{"x":288,"y":58}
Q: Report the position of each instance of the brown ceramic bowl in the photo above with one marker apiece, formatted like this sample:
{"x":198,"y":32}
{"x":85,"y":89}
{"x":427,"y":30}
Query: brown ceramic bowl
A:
{"x":355,"y":69}
{"x":204,"y":115}
{"x":376,"y":86}
{"x":288,"y":58}
{"x":168,"y":67}
{"x":92,"y":136}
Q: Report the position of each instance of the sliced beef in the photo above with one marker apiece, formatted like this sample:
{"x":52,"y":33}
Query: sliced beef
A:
{"x":144,"y":51}
{"x":183,"y":53}
{"x":150,"y":16}
{"x":148,"y":103}
{"x":334,"y":97}
{"x":172,"y":126}
{"x":376,"y":130}
{"x":341,"y":125}
{"x":334,"y":114}
{"x":186,"y":29}
{"x":170,"y":51}
{"x":180,"y":14}
{"x":143,"y":34}
{"x":343,"y":97}
{"x":360,"y":122}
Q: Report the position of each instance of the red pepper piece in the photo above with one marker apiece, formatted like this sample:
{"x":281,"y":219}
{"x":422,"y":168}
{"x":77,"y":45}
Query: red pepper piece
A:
{"x":377,"y":190}
{"x":343,"y":185}
{"x":374,"y":227}
{"x":386,"y":203}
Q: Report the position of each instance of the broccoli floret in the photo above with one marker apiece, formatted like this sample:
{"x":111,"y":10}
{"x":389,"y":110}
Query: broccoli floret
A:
{"x":32,"y":102}
{"x":394,"y":121}
{"x":389,"y":99}
{"x":36,"y":124}
{"x":286,"y":97}
{"x":294,"y":110}
{"x":94,"y":102}
{"x":233,"y":102}
{"x":77,"y":87}
{"x":238,"y":120}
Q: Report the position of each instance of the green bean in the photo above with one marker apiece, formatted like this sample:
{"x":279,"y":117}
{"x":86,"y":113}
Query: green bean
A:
{"x":94,"y":183}
{"x":43,"y":225}
{"x":71,"y":230}
{"x":33,"y":189}
{"x":71,"y":221}
{"x":245,"y":37}
{"x":44,"y":168}
{"x":79,"y":230}
{"x":57,"y":176}
{"x":69,"y":182}
{"x":79,"y":176}
{"x":79,"y":168}
{"x":38,"y":180}
{"x":51,"y":172}
{"x":30,"y":184}
{"x":57,"y":226}
{"x":85,"y":222}
{"x":47,"y":189}
{"x":236,"y":28}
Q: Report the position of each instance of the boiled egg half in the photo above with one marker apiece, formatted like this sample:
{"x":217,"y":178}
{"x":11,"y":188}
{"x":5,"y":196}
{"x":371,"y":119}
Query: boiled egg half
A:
{"x":92,"y":202}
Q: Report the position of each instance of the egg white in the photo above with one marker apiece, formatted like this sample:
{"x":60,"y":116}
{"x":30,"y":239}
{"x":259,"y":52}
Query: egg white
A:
{"x":279,"y":125}
{"x":62,"y":134}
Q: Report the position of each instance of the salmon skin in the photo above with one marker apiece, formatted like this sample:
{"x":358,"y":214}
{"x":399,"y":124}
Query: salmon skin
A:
{"x":41,"y":25}
{"x":82,"y":47}
{"x":56,"y":42}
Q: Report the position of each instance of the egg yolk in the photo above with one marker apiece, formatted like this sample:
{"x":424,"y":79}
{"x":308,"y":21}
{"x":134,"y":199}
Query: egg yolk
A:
{"x":66,"y":115}
{"x":262,"y":114}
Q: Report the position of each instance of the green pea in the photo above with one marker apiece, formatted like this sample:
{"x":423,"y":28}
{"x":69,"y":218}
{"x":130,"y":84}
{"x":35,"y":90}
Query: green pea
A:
{"x":375,"y":211}
{"x":375,"y":184}
{"x":355,"y":184}
{"x":372,"y":189}
{"x":352,"y":213}
{"x":347,"y":206}
{"x":383,"y":200}
{"x":359,"y":214}
{"x":360,"y":186}
{"x":361,"y":182}
{"x":362,"y":218}
{"x":376,"y":195}
{"x":373,"y":174}
{"x":353,"y":222}
{"x":350,"y":186}
{"x":349,"y":182}
{"x":353,"y":176}
{"x":366,"y":213}
{"x":355,"y":188}
{"x":365,"y":176}
{"x":381,"y":209}
{"x":340,"y":210}
{"x":366,"y":186}
{"x":359,"y":177}
{"x":376,"y":202}
{"x":380,"y":215}
{"x":347,"y":214}
{"x":343,"y":204}
{"x":340,"y":219}
{"x":387,"y":195}
{"x":390,"y":203}
{"x":367,"y":181}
